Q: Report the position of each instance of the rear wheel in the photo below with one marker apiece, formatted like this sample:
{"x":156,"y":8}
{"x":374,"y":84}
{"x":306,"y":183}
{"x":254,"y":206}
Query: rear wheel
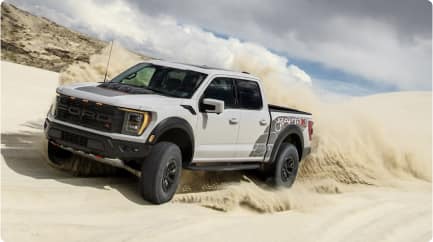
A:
{"x":77,"y":165}
{"x":160,"y":173}
{"x":286,"y":165}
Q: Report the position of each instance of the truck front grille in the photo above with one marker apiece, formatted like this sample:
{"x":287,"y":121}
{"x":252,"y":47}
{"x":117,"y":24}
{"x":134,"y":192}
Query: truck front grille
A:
{"x":89,"y":114}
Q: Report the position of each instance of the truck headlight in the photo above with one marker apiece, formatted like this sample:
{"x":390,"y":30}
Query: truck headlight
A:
{"x":135,"y":122}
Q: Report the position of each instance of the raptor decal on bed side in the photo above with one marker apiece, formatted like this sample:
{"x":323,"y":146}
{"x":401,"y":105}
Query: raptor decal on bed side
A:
{"x":270,"y":134}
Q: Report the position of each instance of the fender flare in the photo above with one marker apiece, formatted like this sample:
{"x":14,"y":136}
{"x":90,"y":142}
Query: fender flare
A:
{"x":173,"y":123}
{"x":288,"y":130}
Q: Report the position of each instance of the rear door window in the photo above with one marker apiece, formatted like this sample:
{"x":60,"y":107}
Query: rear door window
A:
{"x":248,"y":93}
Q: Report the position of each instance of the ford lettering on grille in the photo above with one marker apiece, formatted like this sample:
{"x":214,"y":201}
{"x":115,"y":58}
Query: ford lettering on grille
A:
{"x":88,"y":114}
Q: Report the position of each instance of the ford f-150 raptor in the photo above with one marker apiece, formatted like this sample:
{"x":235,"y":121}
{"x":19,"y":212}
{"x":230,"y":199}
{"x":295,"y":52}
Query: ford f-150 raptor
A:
{"x":158,"y":117}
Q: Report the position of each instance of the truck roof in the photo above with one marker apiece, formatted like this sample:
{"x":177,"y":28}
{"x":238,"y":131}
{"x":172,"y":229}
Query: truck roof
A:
{"x":202,"y":68}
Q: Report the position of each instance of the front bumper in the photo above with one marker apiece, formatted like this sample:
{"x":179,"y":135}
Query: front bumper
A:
{"x":95,"y":144}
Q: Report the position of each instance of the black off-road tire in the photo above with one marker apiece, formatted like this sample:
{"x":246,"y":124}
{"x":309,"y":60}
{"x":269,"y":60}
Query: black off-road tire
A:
{"x":286,"y":166}
{"x":160,"y":173}
{"x":78,"y":165}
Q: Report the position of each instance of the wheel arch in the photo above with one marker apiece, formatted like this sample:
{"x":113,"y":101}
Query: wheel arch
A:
{"x":291,"y":134}
{"x":178,"y":131}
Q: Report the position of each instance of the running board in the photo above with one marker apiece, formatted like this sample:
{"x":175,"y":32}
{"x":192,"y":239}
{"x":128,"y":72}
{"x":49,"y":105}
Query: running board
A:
{"x":223,"y":166}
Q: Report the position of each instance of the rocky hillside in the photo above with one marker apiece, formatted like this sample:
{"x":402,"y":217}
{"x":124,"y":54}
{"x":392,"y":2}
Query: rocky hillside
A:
{"x":36,"y":41}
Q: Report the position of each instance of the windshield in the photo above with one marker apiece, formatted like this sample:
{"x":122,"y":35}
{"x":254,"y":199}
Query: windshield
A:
{"x":161,"y":79}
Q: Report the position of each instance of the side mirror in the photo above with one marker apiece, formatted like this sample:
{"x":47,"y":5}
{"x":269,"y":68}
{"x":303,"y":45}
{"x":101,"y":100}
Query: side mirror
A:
{"x":213,"y":105}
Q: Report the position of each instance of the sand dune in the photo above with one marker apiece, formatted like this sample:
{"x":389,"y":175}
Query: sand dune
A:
{"x":36,"y":41}
{"x":368,"y":180}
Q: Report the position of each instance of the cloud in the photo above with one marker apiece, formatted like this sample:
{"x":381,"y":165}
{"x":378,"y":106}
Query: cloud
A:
{"x":164,"y":37}
{"x":386,"y":41}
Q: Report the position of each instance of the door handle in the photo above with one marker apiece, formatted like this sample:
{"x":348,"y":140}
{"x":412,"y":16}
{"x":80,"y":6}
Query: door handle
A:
{"x":263,"y":122}
{"x":233,"y":121}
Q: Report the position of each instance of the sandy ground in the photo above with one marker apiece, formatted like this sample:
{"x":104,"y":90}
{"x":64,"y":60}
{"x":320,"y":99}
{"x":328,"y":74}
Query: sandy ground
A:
{"x":41,"y":204}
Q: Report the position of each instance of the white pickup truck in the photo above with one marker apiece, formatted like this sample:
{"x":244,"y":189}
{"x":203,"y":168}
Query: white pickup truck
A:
{"x":158,"y":117}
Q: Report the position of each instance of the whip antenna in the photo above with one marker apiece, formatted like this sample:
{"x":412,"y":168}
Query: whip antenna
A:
{"x":108,"y":63}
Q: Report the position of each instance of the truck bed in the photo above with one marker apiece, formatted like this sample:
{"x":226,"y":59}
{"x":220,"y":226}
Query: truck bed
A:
{"x":275,"y":108}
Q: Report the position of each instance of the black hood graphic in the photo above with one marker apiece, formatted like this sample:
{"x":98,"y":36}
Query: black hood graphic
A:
{"x":114,"y":89}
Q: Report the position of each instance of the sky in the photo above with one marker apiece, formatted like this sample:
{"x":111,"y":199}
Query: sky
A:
{"x":350,"y":47}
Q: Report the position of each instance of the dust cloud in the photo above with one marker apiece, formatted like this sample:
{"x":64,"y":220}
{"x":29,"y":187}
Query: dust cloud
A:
{"x":368,"y":141}
{"x":94,"y":71}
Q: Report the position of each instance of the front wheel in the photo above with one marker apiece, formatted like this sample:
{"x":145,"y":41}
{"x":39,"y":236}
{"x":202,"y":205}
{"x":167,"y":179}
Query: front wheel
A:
{"x":160,"y":173}
{"x":286,"y":165}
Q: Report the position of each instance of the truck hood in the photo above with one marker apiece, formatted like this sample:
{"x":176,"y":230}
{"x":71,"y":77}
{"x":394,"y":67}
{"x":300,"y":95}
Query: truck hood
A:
{"x":147,"y":102}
